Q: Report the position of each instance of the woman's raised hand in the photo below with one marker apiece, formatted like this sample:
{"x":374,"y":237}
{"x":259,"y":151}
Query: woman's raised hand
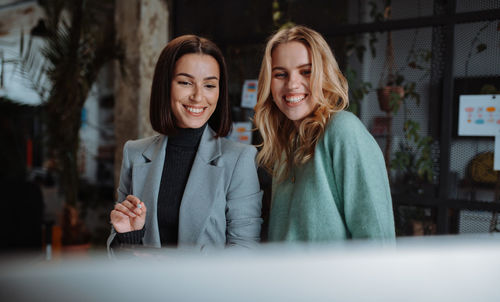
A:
{"x":128,"y":215}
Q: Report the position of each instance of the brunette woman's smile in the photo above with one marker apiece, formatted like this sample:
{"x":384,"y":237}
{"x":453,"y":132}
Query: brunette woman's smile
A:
{"x":195,"y":90}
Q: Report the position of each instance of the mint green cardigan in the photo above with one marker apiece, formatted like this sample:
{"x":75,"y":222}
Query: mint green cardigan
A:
{"x":342,"y":192}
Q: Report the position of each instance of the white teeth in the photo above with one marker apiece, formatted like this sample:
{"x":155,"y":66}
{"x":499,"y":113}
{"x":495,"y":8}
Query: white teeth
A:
{"x":294,"y":99}
{"x":194,"y":110}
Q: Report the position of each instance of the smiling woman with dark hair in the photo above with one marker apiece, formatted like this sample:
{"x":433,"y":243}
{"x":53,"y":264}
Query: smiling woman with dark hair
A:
{"x":161,"y":113}
{"x":188,"y":186}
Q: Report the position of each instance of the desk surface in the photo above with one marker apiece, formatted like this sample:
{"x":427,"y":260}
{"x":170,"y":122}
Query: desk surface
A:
{"x":459,"y":268}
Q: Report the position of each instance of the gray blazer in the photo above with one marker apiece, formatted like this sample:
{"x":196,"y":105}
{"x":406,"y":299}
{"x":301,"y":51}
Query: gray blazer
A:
{"x":221,"y":205}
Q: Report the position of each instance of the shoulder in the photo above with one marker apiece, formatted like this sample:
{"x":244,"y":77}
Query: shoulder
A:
{"x":235,"y":150}
{"x":138,"y":146}
{"x":345,"y":125}
{"x":345,"y":129}
{"x":345,"y":121}
{"x":142,"y":143}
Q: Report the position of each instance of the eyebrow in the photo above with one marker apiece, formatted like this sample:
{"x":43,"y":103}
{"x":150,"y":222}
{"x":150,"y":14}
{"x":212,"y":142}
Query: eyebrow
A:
{"x":190,"y":76}
{"x":300,"y":66}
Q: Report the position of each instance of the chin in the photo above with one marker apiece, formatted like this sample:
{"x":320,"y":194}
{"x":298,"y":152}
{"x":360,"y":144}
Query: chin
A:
{"x":194,"y":125}
{"x":295,"y":118}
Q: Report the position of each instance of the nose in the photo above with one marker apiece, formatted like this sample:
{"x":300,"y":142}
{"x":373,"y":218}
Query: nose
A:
{"x":196,"y":95}
{"x":294,"y":81}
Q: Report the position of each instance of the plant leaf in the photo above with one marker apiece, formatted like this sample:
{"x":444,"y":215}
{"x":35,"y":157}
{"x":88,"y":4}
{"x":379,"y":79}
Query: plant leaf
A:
{"x":481,"y":47}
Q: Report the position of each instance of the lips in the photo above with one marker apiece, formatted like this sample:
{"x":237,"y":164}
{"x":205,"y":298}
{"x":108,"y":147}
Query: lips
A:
{"x":196,"y":111}
{"x":294,"y":99}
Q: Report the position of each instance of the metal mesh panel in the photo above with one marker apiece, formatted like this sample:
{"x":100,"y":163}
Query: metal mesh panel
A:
{"x":362,"y":11}
{"x":478,"y":222}
{"x":470,"y":5}
{"x":410,"y":48}
{"x":476,"y":64}
{"x":477,"y":51}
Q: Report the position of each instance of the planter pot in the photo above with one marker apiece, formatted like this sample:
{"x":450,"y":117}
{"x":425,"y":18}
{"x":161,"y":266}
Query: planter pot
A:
{"x":423,"y":227}
{"x":384,"y":96}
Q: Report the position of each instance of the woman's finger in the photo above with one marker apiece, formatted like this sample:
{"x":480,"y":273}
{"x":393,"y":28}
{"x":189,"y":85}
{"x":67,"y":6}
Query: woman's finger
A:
{"x":129,"y":205}
{"x":133,"y":207}
{"x":134,"y":200}
{"x":141,"y":209}
{"x":116,"y":216}
{"x":137,"y":204}
{"x":123,"y":209}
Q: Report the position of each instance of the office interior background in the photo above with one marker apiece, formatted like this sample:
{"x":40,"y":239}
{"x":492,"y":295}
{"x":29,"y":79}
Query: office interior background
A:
{"x":407,"y":63}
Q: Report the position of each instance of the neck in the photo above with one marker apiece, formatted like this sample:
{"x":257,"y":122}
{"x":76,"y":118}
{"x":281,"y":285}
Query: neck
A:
{"x":187,"y":136}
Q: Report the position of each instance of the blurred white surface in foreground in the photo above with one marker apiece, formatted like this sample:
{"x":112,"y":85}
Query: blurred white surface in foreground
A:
{"x":415,"y":269}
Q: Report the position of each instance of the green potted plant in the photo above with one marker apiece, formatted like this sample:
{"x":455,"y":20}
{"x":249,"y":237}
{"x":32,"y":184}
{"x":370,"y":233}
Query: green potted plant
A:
{"x":389,"y":91}
{"x":413,"y":160}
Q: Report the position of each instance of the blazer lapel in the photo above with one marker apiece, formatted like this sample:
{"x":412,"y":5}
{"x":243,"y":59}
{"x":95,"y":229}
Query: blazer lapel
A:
{"x":146,"y":184}
{"x":201,"y":189}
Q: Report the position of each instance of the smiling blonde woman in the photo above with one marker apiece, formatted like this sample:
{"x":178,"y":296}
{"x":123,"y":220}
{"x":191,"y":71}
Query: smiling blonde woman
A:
{"x":329,"y":176}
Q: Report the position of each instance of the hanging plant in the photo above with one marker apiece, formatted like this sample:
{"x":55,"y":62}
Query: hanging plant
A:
{"x":390,"y":93}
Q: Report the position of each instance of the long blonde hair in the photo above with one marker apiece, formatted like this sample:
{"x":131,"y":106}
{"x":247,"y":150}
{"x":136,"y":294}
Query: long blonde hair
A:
{"x":329,"y":90}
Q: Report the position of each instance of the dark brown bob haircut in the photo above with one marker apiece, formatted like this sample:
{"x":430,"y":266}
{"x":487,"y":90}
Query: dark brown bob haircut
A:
{"x":160,"y":108}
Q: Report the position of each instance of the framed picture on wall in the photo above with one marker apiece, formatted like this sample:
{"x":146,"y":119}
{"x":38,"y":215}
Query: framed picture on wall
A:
{"x":472,"y":86}
{"x":479,"y":115}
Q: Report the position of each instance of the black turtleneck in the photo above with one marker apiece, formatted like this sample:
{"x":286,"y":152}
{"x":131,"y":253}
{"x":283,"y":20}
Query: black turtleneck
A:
{"x":179,"y":158}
